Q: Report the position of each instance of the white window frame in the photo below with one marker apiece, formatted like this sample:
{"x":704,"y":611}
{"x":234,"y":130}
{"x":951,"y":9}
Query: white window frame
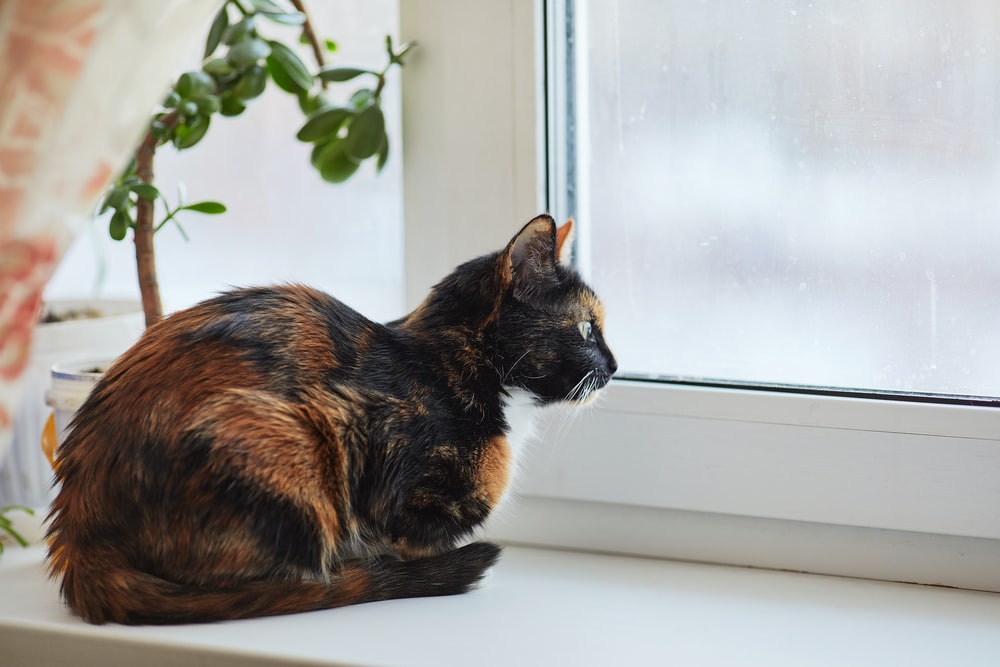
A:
{"x":883,"y":489}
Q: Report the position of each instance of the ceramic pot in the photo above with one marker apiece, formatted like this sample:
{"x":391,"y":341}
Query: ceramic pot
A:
{"x":25,"y":475}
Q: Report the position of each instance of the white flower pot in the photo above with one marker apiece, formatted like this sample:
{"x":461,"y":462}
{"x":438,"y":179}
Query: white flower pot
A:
{"x":25,"y":475}
{"x":71,"y":384}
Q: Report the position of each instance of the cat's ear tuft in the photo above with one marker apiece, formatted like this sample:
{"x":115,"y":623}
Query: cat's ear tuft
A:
{"x":532,"y":258}
{"x":564,"y":241}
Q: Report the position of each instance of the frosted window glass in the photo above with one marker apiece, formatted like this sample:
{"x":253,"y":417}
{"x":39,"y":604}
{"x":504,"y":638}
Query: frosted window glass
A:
{"x":794,"y":192}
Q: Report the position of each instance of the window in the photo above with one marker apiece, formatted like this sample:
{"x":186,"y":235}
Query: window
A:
{"x":888,"y":489}
{"x":793,"y":193}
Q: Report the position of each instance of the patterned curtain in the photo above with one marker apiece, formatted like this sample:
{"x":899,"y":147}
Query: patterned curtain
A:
{"x":78,"y":80}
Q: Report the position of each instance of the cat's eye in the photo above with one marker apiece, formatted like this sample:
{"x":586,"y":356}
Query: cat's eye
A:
{"x":585,"y":329}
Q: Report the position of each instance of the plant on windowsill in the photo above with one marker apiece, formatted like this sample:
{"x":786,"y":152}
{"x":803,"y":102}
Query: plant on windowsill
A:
{"x":7,"y":529}
{"x":239,"y":60}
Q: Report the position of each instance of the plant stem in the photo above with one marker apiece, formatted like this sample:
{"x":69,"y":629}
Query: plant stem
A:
{"x":307,"y":30}
{"x":145,"y":256}
{"x":144,"y":229}
{"x":381,"y":82}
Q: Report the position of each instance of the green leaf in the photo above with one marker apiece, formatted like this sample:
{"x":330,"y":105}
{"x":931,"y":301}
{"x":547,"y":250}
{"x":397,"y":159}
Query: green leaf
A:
{"x":188,"y":134}
{"x":292,"y":64}
{"x":208,"y":105}
{"x":361,"y":98}
{"x":248,"y":52}
{"x":159,"y":131}
{"x":219,"y":25}
{"x":172,"y":100}
{"x":285,"y":18}
{"x":312,"y":102}
{"x":206,"y":207}
{"x":7,"y":526}
{"x":275,"y":12}
{"x":382,"y":154}
{"x":146,"y":191}
{"x":184,"y":234}
{"x":337,"y":74}
{"x":118,"y":197}
{"x":397,"y":59}
{"x":119,"y":224}
{"x":218,"y":67}
{"x":188,"y":108}
{"x":326,"y":123}
{"x":364,"y":136}
{"x":105,"y":204}
{"x":267,"y":7}
{"x":19,"y":508}
{"x":320,"y":150}
{"x":330,"y":45}
{"x":281,"y":77}
{"x":251,"y":84}
{"x":194,"y":84}
{"x":230,"y":106}
{"x":336,"y":165}
{"x":238,"y":31}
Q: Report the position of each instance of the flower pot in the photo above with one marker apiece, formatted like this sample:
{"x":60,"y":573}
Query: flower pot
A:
{"x":71,"y":384}
{"x":25,"y":474}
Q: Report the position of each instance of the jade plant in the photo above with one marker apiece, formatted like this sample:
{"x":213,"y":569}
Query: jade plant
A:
{"x":240,"y":59}
{"x":7,"y":526}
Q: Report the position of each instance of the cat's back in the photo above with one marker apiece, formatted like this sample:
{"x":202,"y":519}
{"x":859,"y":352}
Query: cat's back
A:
{"x":286,"y":322}
{"x":283,"y":341}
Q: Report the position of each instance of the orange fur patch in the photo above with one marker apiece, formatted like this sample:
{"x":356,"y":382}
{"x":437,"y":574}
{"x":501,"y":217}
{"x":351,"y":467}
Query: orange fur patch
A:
{"x":407,"y":551}
{"x":493,"y":472}
{"x":563,"y":234}
{"x":596,"y":309}
{"x":275,"y":444}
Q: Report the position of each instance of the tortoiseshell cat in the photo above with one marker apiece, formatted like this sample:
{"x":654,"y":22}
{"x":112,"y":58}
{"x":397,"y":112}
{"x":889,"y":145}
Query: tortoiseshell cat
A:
{"x":272,"y":451}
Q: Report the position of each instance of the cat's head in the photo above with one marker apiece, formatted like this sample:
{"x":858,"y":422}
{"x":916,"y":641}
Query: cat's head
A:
{"x":549,"y":324}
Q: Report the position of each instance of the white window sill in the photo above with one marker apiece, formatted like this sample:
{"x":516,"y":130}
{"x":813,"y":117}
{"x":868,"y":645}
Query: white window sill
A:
{"x":545,"y":607}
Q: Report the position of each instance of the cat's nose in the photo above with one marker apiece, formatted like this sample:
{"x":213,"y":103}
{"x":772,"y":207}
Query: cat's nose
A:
{"x":612,"y":365}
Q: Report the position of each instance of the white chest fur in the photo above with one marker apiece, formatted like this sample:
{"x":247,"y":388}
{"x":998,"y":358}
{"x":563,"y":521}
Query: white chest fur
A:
{"x":521,"y":414}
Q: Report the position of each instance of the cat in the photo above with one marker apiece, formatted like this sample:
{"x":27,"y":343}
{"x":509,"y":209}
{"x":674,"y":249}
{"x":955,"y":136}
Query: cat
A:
{"x":271,"y":451}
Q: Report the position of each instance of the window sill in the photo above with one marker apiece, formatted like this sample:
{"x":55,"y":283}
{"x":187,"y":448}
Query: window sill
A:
{"x":545,"y":607}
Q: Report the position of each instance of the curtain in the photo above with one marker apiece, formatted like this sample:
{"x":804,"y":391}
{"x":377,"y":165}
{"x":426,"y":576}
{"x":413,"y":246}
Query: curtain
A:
{"x":78,"y":81}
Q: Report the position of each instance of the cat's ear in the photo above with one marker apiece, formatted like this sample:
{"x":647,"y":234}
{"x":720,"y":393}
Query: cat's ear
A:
{"x":532,"y":258}
{"x":564,"y":241}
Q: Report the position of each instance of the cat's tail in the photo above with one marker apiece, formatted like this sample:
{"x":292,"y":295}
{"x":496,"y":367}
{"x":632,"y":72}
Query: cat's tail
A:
{"x":122,"y":595}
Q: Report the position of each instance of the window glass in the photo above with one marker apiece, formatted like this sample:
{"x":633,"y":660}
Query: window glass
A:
{"x":790,"y":192}
{"x":284,"y":223}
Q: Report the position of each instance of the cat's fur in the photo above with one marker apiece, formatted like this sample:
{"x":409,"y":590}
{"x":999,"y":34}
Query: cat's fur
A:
{"x":272,"y":451}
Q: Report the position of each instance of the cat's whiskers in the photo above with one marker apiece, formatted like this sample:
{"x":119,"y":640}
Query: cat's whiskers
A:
{"x":572,"y":395}
{"x":572,"y":412}
{"x":588,"y":395}
{"x":595,"y":395}
{"x":504,"y":377}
